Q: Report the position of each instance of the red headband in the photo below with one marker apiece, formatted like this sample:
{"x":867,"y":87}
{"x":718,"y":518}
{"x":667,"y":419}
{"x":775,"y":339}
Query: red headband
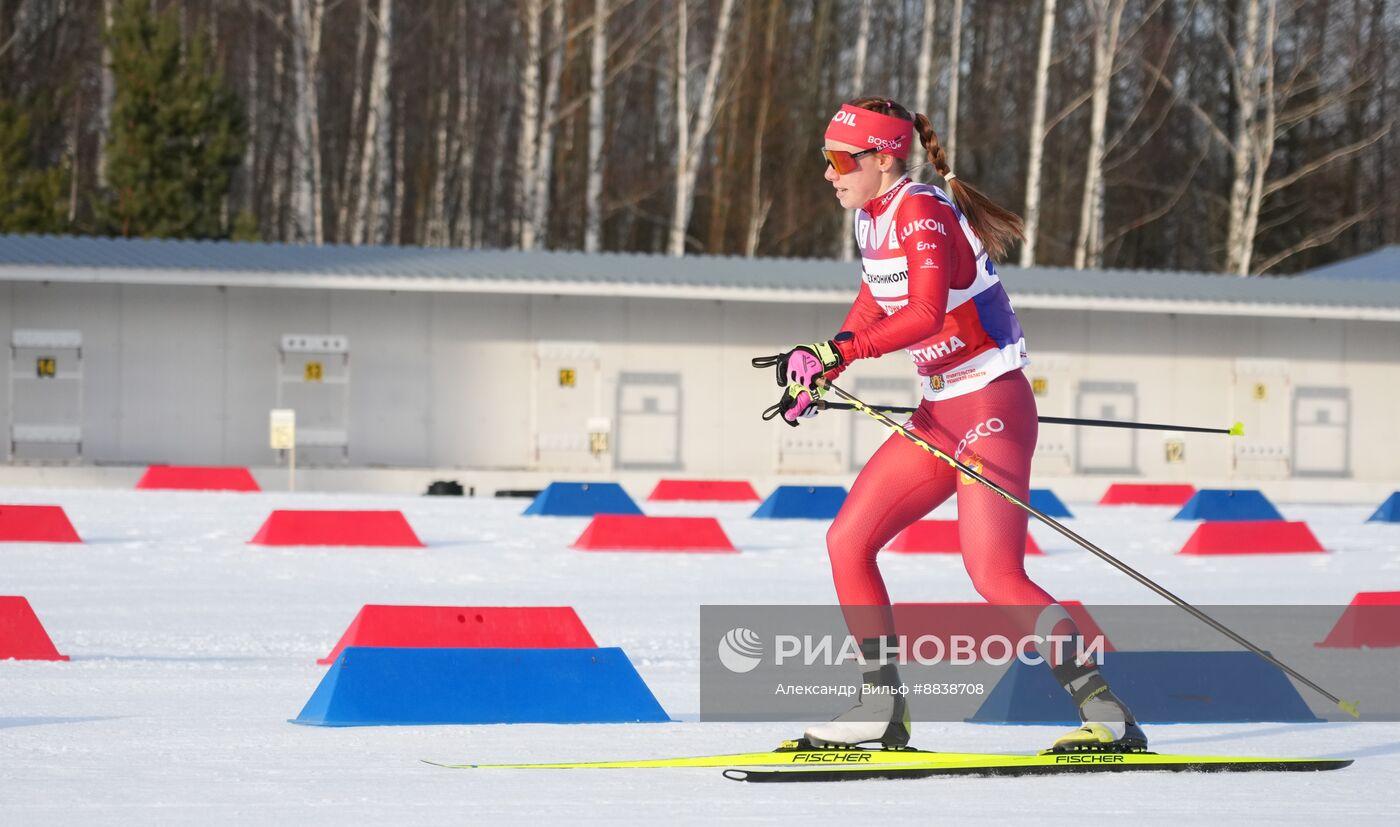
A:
{"x":864,"y":127}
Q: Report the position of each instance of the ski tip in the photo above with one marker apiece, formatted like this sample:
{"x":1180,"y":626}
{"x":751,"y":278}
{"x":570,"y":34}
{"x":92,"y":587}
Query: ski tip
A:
{"x":1237,"y":429}
{"x":1351,"y":708}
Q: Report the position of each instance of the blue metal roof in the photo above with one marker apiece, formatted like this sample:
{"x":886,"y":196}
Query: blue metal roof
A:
{"x":112,"y":256}
{"x":1377,"y":265}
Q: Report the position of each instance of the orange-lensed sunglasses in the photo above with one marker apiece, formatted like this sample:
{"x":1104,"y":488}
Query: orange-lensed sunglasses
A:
{"x":845,"y":162}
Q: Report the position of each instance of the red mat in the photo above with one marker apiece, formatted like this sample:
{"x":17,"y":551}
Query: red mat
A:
{"x":336,"y":528}
{"x":716,"y":490}
{"x":1372,"y":620}
{"x":22,"y":636}
{"x":465,"y":627}
{"x":939,"y":537}
{"x":193,"y":478}
{"x":1252,"y":537}
{"x":1144,"y":493}
{"x":626,"y":532}
{"x":36,"y":524}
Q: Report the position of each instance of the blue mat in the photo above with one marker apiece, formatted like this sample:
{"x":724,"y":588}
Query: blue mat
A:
{"x":1160,"y":688}
{"x":1389,"y":512}
{"x":1048,"y":503}
{"x":378,"y":686}
{"x":1221,"y":505}
{"x":802,"y":502}
{"x":582,"y":499}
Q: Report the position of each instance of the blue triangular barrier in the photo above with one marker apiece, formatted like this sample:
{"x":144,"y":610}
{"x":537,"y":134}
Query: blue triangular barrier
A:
{"x":1389,"y":512}
{"x":378,"y":686}
{"x":1222,"y":505}
{"x":582,"y":499}
{"x":802,"y":502}
{"x":1160,"y":688}
{"x":1047,"y":502}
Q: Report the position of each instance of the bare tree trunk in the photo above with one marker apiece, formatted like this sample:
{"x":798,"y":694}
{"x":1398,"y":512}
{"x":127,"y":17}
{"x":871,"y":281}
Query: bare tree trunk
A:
{"x":950,"y":137}
{"x":347,"y":216}
{"x":374,"y":201}
{"x":593,"y":190}
{"x":862,"y":43}
{"x":1088,"y":249}
{"x":1037,"y":149}
{"x":278,"y":166}
{"x":306,"y":156}
{"x":691,"y":137}
{"x":105,"y":96}
{"x":396,"y":208}
{"x":465,"y":158}
{"x":758,"y":207}
{"x":249,"y":191}
{"x":544,"y":161}
{"x":435,"y":226}
{"x":1238,"y":241}
{"x":530,"y":119}
{"x":848,"y":238}
{"x":1264,"y":139}
{"x":923,"y":87}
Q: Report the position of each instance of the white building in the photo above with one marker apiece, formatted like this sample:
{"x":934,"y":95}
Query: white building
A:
{"x":512,"y":368}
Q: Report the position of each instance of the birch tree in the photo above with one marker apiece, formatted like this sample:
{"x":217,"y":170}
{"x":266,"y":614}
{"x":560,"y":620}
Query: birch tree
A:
{"x":529,"y":119}
{"x":1105,"y":17}
{"x":307,"y":224}
{"x":544,"y":158}
{"x":691,"y":135}
{"x":593,"y":189}
{"x":923,"y":84}
{"x":349,"y":204}
{"x":950,"y":137}
{"x":1266,"y":111}
{"x":758,"y":206}
{"x":848,"y":239}
{"x":106,"y":89}
{"x":1037,"y":142}
{"x":374,"y":203}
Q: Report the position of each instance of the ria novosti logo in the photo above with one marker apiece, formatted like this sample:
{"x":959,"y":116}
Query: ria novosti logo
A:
{"x":740,"y":650}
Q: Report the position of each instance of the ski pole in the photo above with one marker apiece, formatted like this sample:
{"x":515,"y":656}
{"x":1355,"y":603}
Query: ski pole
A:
{"x":1349,"y":707}
{"x":1236,"y":430}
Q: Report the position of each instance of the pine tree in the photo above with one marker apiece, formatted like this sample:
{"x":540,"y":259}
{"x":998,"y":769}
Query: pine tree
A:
{"x":31,"y":200}
{"x":177,"y":131}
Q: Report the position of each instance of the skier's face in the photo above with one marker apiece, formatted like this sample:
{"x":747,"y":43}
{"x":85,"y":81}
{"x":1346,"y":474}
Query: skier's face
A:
{"x":854,"y":172}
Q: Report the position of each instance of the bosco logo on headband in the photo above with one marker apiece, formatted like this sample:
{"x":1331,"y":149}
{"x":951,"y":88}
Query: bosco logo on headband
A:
{"x":863,"y":127}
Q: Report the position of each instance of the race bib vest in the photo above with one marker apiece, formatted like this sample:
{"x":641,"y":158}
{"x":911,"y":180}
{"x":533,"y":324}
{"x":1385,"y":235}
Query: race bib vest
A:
{"x":981,"y":338}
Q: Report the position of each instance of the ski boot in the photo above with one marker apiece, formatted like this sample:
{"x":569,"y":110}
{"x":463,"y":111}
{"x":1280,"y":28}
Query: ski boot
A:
{"x":881,"y":715}
{"x":1108,"y":724}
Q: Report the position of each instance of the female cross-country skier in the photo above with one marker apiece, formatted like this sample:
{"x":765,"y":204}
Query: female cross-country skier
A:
{"x":929,"y":286}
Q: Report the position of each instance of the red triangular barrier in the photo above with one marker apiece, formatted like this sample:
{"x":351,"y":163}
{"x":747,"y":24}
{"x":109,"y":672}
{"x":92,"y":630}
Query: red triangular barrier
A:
{"x":194,"y":478}
{"x":708,"y":490}
{"x":22,"y":636}
{"x":1145,"y":493}
{"x":465,"y":627}
{"x":984,"y":620}
{"x":1372,"y":620}
{"x":939,"y":537}
{"x":336,"y":528}
{"x":625,"y":532}
{"x":1252,"y":537}
{"x":36,"y":524}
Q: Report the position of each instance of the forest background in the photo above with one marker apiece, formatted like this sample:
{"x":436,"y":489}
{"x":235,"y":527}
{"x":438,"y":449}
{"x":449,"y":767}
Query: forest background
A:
{"x":1238,"y":136}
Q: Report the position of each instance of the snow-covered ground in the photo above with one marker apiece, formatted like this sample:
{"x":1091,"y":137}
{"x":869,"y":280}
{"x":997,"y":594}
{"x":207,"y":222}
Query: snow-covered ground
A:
{"x":191,"y":649}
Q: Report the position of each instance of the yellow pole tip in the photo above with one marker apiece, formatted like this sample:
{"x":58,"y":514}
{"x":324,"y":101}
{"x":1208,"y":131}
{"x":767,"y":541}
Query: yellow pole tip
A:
{"x":1237,"y":429}
{"x":1350,"y":707}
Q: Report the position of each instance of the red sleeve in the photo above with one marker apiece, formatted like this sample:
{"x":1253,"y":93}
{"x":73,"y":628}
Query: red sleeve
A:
{"x":864,"y":312}
{"x":923,"y":224}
